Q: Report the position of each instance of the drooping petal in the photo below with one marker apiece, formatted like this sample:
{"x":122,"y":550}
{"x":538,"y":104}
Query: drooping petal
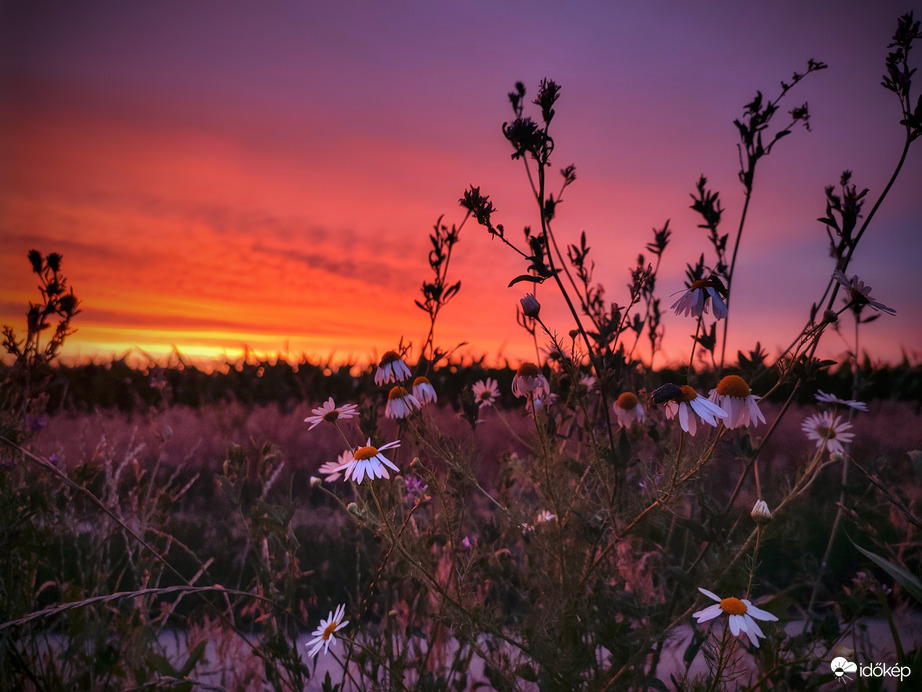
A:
{"x":709,"y":613}
{"x":758,"y":613}
{"x":710,"y":594}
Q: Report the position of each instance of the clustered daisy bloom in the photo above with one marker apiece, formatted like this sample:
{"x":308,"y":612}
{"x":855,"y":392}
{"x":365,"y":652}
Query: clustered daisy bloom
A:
{"x":323,"y":635}
{"x":529,"y":380}
{"x":741,"y":613}
{"x":400,"y":403}
{"x":628,"y":409}
{"x":369,"y":461}
{"x":687,"y":403}
{"x":391,"y":369}
{"x":734,"y":396}
{"x":424,"y":391}
{"x":833,"y":399}
{"x":694,"y":300}
{"x":486,"y":392}
{"x":330,"y":412}
{"x":827,"y":428}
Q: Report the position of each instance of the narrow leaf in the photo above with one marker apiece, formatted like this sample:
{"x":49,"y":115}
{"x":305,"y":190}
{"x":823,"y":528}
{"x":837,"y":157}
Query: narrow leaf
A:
{"x":909,"y":581}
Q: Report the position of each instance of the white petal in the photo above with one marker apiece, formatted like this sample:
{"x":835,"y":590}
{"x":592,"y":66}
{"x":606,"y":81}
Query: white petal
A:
{"x":710,"y":594}
{"x":709,"y":613}
{"x":752,"y":627}
{"x":735,"y":624}
{"x":758,"y":613}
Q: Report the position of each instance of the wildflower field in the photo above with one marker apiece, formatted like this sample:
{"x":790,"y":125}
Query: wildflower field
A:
{"x":588,"y":519}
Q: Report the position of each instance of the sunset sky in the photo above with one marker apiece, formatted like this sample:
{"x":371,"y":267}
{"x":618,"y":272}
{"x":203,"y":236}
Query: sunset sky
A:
{"x":266,"y":174}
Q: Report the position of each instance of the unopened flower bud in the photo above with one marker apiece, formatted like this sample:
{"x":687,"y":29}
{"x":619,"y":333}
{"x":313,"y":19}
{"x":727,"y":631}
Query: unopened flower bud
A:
{"x":760,"y":513}
{"x":316,"y":482}
{"x":530,"y":305}
{"x":353,"y":508}
{"x":830,"y":317}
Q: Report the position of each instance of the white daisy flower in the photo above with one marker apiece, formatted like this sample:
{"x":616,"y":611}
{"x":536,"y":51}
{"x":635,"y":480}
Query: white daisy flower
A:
{"x":424,"y":391}
{"x":332,"y":470}
{"x":859,"y":294}
{"x":694,"y":300}
{"x":760,"y":513}
{"x":587,"y":380}
{"x":833,"y":399}
{"x":734,"y":396}
{"x":687,"y":403}
{"x":827,"y":428}
{"x":628,"y":409}
{"x":330,"y":412}
{"x":369,"y":461}
{"x":529,"y":380}
{"x":741,"y":613}
{"x":323,"y":635}
{"x":530,"y":305}
{"x":391,"y":369}
{"x":544,"y":516}
{"x":486,"y":392}
{"x":540,"y":403}
{"x":400,"y":403}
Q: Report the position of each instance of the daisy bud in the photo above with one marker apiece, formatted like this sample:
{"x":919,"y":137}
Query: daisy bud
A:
{"x":316,"y":482}
{"x":760,"y":513}
{"x":830,"y":316}
{"x":530,"y":305}
{"x":353,"y":509}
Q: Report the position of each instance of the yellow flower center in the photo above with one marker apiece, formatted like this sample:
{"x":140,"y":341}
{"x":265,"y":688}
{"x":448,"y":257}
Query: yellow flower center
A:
{"x":735,"y":386}
{"x":388,"y":358}
{"x":733,"y":606}
{"x":397,"y":392}
{"x":365,"y":453}
{"x":698,"y":285}
{"x":527,"y":369}
{"x":328,"y":630}
{"x":421,"y":380}
{"x":331,"y":415}
{"x":627,"y":401}
{"x":688,"y":394}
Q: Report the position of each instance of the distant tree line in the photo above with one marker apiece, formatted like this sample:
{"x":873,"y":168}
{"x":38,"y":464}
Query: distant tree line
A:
{"x":119,"y":384}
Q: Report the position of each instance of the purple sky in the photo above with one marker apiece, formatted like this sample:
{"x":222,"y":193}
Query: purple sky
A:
{"x":267,"y":173}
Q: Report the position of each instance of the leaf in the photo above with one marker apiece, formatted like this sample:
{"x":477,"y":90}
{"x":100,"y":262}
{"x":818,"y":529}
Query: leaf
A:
{"x":526,"y":672}
{"x":909,"y":581}
{"x":194,"y":657}
{"x":656,"y":684}
{"x":161,"y":664}
{"x":526,"y":277}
